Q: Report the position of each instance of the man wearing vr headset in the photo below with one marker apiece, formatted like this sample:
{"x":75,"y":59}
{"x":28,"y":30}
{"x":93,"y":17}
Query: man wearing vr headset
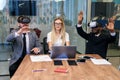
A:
{"x":97,"y":42}
{"x":21,"y":48}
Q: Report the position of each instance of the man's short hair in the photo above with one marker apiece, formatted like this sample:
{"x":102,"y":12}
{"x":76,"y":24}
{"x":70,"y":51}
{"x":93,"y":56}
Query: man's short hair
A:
{"x":19,"y":19}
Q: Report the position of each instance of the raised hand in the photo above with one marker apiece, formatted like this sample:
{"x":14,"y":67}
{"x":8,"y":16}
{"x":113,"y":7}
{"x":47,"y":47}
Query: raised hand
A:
{"x":80,"y":17}
{"x":110,"y":25}
{"x":23,"y":29}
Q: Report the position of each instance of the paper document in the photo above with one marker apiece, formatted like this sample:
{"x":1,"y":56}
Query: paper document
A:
{"x":40,"y":58}
{"x":100,"y":62}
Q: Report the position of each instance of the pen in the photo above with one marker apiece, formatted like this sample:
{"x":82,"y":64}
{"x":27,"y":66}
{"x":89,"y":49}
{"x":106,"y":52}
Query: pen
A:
{"x":39,"y":70}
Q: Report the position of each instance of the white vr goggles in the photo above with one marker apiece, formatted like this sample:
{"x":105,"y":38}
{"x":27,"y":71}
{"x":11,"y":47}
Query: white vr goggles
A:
{"x":92,"y":24}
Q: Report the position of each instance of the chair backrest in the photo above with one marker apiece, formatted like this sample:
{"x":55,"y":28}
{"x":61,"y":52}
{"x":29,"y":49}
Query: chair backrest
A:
{"x":37,"y":31}
{"x":11,"y":29}
{"x":45,"y":45}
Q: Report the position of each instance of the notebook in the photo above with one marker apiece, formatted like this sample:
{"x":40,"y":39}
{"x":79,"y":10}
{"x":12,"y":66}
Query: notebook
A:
{"x":63,"y":52}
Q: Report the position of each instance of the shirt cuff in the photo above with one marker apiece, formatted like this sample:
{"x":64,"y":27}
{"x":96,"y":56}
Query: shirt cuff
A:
{"x":79,"y":25}
{"x":113,"y":34}
{"x":16,"y":34}
{"x":38,"y":50}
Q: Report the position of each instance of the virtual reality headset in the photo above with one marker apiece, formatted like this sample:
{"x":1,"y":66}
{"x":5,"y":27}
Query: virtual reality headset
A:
{"x":24,"y":19}
{"x":94,"y":24}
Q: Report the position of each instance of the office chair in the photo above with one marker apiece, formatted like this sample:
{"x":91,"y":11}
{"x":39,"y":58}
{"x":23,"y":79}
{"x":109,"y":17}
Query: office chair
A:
{"x":37,"y":31}
{"x":45,"y":45}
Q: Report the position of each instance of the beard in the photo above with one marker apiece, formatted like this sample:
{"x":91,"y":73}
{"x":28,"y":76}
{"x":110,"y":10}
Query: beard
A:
{"x":95,"y":31}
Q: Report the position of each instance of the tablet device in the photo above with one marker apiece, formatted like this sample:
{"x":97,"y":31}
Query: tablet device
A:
{"x":71,"y":62}
{"x":58,"y":62}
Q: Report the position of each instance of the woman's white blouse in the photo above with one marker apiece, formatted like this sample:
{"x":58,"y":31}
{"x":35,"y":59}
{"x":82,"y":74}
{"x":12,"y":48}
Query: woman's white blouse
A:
{"x":59,"y":40}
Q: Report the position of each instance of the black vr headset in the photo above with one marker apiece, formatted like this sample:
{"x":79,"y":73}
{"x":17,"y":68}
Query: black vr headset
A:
{"x":23,"y":19}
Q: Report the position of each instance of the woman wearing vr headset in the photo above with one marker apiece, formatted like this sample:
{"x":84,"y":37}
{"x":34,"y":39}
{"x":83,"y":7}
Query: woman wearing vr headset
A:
{"x":22,"y":47}
{"x":97,"y":42}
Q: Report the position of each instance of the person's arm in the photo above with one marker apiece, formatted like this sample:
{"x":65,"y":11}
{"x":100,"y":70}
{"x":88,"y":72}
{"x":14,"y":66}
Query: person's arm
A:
{"x":12,"y":36}
{"x":50,"y":45}
{"x":80,"y":31}
{"x":67,"y":43}
{"x":110,"y":27}
{"x":49,"y":41}
{"x":16,"y":33}
{"x":67,"y":40}
{"x":38,"y":47}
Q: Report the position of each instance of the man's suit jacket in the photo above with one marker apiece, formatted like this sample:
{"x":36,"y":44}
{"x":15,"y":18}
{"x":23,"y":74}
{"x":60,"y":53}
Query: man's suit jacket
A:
{"x":18,"y":44}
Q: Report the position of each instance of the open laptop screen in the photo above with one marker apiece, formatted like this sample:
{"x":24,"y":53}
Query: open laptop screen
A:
{"x":63,"y":52}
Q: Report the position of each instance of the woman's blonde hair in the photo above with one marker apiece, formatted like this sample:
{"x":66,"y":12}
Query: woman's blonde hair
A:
{"x":62,"y":31}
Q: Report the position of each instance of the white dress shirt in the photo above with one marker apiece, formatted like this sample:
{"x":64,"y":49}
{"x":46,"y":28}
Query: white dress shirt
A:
{"x":59,"y":40}
{"x":27,"y":41}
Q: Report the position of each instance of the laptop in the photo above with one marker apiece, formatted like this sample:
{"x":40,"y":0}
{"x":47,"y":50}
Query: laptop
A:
{"x":62,"y":52}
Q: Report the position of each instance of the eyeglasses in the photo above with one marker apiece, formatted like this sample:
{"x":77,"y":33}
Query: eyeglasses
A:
{"x":58,"y":24}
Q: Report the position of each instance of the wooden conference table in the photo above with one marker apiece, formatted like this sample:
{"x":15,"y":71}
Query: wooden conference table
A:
{"x":83,"y":71}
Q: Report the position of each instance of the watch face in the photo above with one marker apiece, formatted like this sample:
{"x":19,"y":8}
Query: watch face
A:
{"x":22,"y":8}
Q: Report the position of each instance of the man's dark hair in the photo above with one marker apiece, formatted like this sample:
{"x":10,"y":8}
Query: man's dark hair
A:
{"x":19,"y":19}
{"x":23,"y":19}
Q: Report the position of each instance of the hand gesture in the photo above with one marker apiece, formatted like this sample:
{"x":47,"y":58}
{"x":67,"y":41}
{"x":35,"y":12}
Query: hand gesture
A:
{"x":23,"y":29}
{"x":80,"y":17}
{"x":36,"y":50}
{"x":110,"y":25}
